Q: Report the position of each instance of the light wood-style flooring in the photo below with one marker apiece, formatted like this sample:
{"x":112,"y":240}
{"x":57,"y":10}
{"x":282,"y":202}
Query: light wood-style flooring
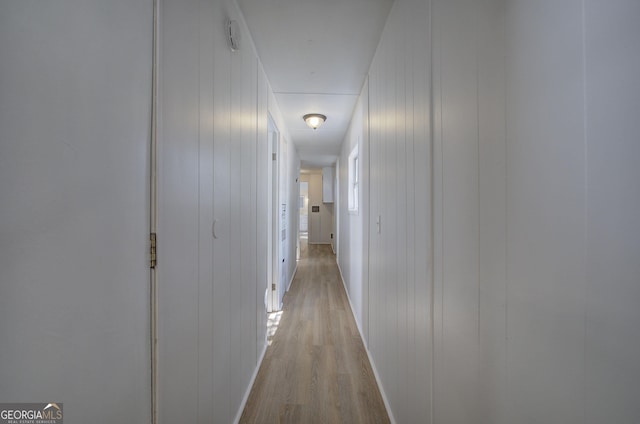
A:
{"x":316,"y":369}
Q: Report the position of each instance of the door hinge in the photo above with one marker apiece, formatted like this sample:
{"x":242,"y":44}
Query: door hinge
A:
{"x":274,"y":156}
{"x":152,"y":240}
{"x":273,"y":286}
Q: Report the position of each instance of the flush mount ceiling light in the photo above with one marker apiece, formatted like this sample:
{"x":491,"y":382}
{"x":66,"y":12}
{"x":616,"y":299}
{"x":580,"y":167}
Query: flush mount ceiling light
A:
{"x":314,"y":120}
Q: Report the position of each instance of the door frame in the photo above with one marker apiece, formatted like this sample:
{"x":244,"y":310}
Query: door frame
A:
{"x":273,"y":248}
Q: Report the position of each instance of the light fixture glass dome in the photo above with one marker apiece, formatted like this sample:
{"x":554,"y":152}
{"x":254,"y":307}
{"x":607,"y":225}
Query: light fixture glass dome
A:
{"x":314,"y":120}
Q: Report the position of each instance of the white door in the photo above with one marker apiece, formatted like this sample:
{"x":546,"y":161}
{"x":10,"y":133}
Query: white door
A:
{"x":303,"y":206}
{"x":74,"y":206}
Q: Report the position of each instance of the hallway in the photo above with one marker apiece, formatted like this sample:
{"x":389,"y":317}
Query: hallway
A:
{"x":316,"y":368}
{"x":477,"y":176}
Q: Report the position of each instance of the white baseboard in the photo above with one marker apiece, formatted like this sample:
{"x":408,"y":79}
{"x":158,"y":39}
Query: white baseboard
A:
{"x":366,"y":348}
{"x":293,"y":275}
{"x":253,"y":379}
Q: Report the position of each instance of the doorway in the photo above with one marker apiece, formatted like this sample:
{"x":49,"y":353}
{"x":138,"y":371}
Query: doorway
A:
{"x":274,"y":217}
{"x":303,"y":208}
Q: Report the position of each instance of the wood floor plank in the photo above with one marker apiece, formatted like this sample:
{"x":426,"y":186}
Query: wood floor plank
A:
{"x":316,"y":369}
{"x":290,"y":414}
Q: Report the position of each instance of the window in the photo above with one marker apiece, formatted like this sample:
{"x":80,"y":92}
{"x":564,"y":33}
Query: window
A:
{"x":354,"y":180}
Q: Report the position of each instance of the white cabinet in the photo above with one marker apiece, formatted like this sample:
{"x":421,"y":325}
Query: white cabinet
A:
{"x":327,"y":184}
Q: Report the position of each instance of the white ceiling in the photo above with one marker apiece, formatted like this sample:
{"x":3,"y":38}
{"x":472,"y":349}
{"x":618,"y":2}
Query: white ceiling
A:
{"x":316,"y":54}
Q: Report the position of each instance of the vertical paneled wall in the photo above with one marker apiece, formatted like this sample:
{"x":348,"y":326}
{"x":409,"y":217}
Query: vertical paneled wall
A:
{"x":262,"y":200}
{"x":212,"y":237}
{"x":469,"y":209}
{"x":571,"y":325}
{"x":350,"y":255}
{"x":179,"y":182}
{"x":535,"y":270}
{"x":399,"y":296}
{"x":545,"y":226}
{"x":612,"y":149}
{"x":456,"y":169}
{"x":75,"y":110}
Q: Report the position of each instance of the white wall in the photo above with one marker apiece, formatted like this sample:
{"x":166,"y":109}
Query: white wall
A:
{"x":533,"y":300}
{"x":350,"y":244}
{"x":469,"y":214}
{"x":612,"y":270}
{"x":545,"y":225}
{"x":75,"y":108}
{"x":399,"y":296}
{"x":572,"y":109}
{"x":214,"y":168}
